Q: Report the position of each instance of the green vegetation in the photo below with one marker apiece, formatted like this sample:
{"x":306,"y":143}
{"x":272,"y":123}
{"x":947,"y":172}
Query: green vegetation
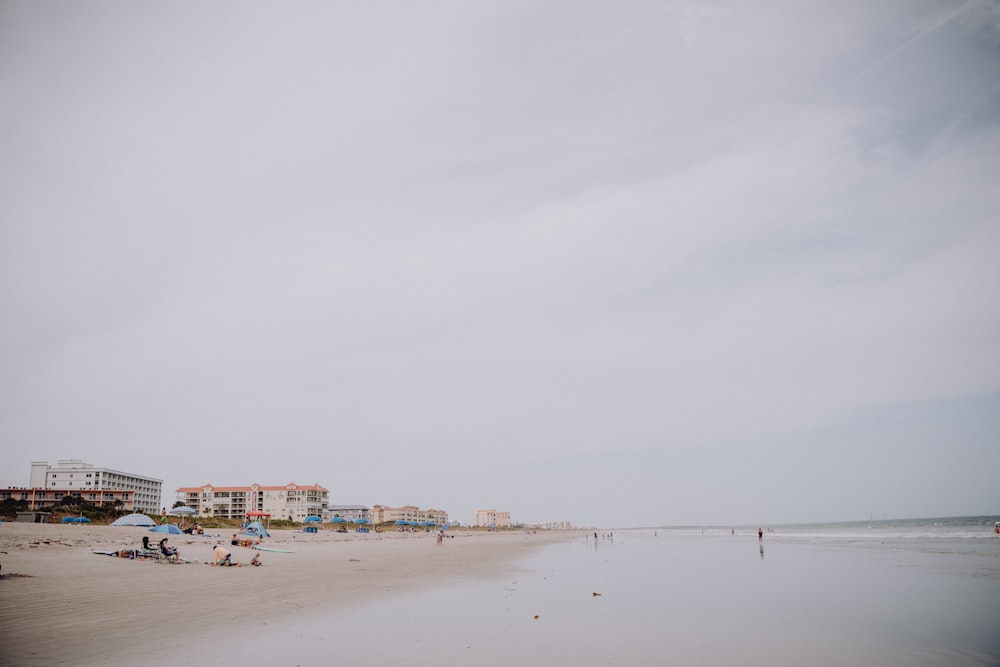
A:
{"x":67,"y":506}
{"x":10,"y":507}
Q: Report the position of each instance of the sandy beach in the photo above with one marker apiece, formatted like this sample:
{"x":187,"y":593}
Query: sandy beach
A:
{"x":64,"y":605}
{"x":920,"y":592}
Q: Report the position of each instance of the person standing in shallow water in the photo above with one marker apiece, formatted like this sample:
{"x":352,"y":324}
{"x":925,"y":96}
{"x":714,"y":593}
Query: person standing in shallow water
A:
{"x":760,"y":534}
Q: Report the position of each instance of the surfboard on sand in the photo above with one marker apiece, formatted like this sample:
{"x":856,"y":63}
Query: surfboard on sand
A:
{"x":277,"y":551}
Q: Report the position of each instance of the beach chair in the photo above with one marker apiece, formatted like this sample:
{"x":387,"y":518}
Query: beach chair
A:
{"x":149,"y":551}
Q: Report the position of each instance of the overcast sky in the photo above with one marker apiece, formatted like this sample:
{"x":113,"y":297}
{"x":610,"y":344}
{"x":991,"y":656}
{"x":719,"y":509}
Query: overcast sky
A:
{"x":621,"y":264}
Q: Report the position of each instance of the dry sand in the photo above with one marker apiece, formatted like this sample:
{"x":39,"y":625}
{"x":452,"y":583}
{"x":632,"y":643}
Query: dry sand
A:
{"x":60,"y":604}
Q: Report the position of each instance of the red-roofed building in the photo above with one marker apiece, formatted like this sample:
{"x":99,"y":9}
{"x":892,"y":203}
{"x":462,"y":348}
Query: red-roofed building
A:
{"x":291,"y":501}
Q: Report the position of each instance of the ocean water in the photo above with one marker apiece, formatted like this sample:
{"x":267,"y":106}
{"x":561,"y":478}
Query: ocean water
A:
{"x":916,"y":592}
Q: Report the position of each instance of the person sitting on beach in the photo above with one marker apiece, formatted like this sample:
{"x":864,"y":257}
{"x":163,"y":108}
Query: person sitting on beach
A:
{"x":235,"y":541}
{"x":222,"y":555}
{"x":256,"y":560}
{"x":168,"y":551}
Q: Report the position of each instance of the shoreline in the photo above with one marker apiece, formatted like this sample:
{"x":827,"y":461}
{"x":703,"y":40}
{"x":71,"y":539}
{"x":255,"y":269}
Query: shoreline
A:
{"x":65,"y":605}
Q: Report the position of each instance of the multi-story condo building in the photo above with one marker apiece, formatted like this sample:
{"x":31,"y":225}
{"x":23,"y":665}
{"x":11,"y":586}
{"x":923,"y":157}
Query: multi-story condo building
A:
{"x":383,"y":514}
{"x":492,"y":519}
{"x":291,"y":501}
{"x":99,"y":486}
{"x":551,"y":525}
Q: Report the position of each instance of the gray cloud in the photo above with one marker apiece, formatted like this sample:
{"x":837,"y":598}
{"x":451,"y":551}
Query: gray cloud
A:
{"x":505,"y":255}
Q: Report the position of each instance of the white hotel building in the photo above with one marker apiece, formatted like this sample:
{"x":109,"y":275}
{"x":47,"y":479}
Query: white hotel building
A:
{"x":78,"y":478}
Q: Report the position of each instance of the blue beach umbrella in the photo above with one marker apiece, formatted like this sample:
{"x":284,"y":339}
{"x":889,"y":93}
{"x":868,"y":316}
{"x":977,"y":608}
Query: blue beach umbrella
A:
{"x":360,"y":521}
{"x":168,"y":528}
{"x":338,"y":519}
{"x":313,"y":519}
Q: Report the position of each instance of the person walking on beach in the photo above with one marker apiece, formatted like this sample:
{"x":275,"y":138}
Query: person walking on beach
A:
{"x":760,"y":535}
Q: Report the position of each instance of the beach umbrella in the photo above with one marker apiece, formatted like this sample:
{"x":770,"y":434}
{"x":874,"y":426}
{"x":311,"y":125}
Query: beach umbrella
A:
{"x":185,"y":511}
{"x":134,"y":520}
{"x":313,"y":519}
{"x":338,"y":519}
{"x":168,"y":528}
{"x":360,"y":521}
{"x":78,"y":519}
{"x":402,"y":522}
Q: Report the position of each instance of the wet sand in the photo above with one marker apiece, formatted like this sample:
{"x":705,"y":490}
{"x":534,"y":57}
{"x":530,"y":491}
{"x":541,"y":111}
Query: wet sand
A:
{"x":60,"y":604}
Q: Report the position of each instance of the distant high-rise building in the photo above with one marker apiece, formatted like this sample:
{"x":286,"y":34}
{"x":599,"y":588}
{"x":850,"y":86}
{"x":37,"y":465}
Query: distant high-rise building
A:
{"x":491,"y":519}
{"x":409,"y":513}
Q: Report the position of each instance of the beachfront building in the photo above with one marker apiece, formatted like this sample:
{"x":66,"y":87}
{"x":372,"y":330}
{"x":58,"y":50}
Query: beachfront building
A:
{"x":491,"y":519}
{"x":48,"y":485}
{"x":350,"y":512}
{"x":41,"y":499}
{"x":386,"y":514}
{"x":291,"y":501}
{"x":551,"y":525}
